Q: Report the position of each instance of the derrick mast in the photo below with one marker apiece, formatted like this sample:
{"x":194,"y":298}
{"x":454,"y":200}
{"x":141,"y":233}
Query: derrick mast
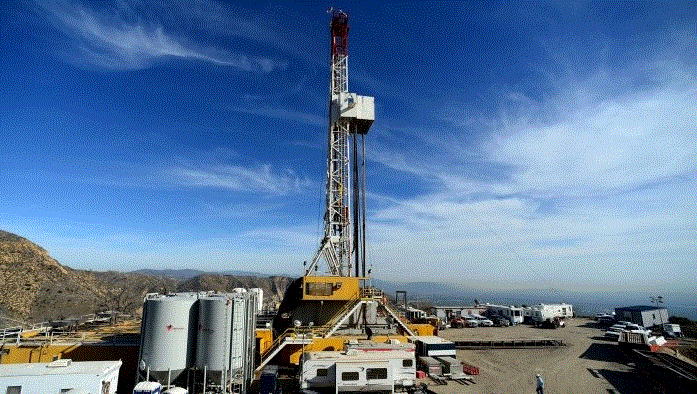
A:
{"x":350,"y":116}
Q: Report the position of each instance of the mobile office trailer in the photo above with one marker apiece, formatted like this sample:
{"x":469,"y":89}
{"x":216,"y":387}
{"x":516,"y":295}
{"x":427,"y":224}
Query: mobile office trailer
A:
{"x":647,"y":316}
{"x":430,"y":365}
{"x":514,"y":314}
{"x":60,"y":376}
{"x":375,"y":369}
{"x":433,"y":346}
{"x":356,"y":375}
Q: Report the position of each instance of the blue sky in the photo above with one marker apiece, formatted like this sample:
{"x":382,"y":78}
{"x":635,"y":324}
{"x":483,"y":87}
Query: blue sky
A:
{"x":517,"y":144}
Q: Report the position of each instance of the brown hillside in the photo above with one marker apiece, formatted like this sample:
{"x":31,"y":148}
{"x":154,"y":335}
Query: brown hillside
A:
{"x":35,"y":287}
{"x":274,"y":286}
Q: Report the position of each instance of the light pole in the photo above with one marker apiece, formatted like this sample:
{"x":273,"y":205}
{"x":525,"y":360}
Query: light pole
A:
{"x":658,"y":300}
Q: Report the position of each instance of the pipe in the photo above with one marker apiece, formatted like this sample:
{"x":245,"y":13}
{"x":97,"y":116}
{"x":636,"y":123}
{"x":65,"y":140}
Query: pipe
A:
{"x":356,"y":202}
{"x":205,"y":370}
{"x":363,"y":204}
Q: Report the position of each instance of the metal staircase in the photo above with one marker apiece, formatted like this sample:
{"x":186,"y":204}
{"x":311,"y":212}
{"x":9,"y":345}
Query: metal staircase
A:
{"x":304,"y":335}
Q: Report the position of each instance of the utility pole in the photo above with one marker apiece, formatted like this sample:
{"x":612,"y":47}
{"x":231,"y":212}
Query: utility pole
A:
{"x":350,"y":116}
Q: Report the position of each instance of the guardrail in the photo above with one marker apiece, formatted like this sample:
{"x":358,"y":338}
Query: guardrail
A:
{"x":507,"y":343}
{"x":56,"y":330}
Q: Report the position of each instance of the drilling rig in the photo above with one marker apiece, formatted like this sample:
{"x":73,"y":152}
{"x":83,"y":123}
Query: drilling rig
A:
{"x":350,"y":117}
{"x":336,"y":306}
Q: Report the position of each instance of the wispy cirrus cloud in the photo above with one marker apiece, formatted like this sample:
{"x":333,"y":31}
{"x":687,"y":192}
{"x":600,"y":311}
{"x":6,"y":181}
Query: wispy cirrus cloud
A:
{"x":596,"y":176}
{"x":615,"y":131}
{"x":261,"y":179}
{"x":611,"y":144}
{"x":122,"y":39}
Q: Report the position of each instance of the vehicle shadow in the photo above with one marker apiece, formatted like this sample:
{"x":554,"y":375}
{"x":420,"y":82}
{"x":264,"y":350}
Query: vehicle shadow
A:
{"x":602,"y":352}
{"x":603,"y":338}
{"x":625,"y":382}
{"x":592,"y":324}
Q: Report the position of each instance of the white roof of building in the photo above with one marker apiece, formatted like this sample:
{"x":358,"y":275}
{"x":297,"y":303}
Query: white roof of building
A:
{"x":354,"y":355}
{"x":378,"y":346}
{"x":504,"y":306}
{"x":60,"y":367}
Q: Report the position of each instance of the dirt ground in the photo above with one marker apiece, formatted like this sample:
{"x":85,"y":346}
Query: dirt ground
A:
{"x":589,"y":364}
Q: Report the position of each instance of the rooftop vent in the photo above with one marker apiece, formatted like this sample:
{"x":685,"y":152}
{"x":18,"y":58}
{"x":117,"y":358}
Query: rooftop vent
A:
{"x":59,"y":363}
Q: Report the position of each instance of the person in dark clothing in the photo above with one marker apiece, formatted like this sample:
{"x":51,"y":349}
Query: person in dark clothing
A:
{"x":540,"y":385}
{"x":369,"y":332}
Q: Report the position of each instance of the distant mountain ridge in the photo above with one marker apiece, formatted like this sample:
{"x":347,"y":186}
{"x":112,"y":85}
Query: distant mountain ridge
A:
{"x":187,"y":273}
{"x":35,"y":287}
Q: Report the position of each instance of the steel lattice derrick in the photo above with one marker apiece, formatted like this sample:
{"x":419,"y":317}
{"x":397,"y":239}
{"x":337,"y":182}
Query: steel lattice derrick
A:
{"x":336,"y":243}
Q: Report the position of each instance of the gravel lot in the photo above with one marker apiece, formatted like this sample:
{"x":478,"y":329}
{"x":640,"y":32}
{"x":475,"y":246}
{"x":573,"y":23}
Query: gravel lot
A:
{"x":564,"y":370}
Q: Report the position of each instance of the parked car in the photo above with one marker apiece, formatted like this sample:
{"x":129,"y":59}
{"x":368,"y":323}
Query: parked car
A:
{"x":457,"y":323}
{"x":500,"y":321}
{"x":483,"y":321}
{"x":613,"y":332}
{"x":549,"y":323}
{"x":672,"y":330}
{"x":624,"y":325}
{"x":471,"y":322}
{"x":606,"y":320}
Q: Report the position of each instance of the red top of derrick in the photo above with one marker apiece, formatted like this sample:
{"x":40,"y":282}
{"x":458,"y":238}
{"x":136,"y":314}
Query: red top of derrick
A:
{"x":339,"y":32}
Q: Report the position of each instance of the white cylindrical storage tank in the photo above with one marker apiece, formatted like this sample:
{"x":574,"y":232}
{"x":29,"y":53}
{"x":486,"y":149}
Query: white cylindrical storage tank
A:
{"x":168,"y":335}
{"x":213,"y":340}
{"x":239,"y":331}
{"x":260,"y":298}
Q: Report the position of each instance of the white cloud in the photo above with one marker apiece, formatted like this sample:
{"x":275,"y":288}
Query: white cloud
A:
{"x":261,"y":179}
{"x":614,"y":159}
{"x":117,"y":42}
{"x":507,"y":243}
{"x":614,"y":144}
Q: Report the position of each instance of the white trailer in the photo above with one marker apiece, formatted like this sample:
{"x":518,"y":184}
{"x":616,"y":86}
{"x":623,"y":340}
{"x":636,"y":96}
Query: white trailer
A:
{"x":415,"y":314}
{"x":514,"y":314}
{"x":60,"y":376}
{"x":375,"y":368}
{"x":543,"y":312}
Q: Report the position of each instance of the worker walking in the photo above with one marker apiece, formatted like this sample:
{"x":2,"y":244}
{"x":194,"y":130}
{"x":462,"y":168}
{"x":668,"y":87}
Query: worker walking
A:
{"x":540,"y":385}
